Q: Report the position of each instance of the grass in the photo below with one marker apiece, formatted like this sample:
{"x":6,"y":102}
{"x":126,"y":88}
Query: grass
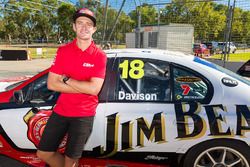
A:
{"x":236,"y":57}
{"x":51,"y":52}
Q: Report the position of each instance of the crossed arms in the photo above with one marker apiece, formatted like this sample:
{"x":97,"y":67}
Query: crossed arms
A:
{"x":92,"y":87}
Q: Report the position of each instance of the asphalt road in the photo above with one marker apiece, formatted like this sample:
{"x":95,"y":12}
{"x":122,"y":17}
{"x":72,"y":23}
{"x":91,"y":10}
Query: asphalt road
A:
{"x":233,"y":66}
{"x":32,"y":67}
{"x":24,"y":67}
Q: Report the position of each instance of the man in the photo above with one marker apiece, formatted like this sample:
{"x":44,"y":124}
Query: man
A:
{"x":77,"y":72}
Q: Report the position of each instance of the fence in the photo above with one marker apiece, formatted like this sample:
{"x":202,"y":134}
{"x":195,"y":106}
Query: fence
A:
{"x":212,"y":21}
{"x":221,"y":21}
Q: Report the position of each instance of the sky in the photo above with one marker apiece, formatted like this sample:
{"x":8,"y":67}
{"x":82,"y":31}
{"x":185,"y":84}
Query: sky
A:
{"x":131,"y":4}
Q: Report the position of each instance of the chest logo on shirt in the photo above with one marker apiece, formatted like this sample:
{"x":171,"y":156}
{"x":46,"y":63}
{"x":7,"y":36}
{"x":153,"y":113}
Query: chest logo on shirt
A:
{"x":88,"y":65}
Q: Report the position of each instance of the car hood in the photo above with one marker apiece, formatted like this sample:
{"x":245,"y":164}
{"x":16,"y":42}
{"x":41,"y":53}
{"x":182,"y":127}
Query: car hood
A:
{"x":6,"y":82}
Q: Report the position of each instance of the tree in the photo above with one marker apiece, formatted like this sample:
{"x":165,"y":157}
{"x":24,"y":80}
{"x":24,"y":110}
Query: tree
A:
{"x":46,"y":20}
{"x":204,"y":16}
{"x":237,"y":26}
{"x":10,"y":29}
{"x":124,"y":21}
{"x":65,"y":13}
{"x":148,"y":15}
{"x":125,"y":24}
{"x":246,"y":27}
{"x":1,"y":28}
{"x":91,"y":4}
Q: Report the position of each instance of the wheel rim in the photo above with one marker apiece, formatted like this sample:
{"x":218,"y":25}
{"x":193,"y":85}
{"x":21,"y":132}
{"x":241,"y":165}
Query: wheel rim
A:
{"x":221,"y":157}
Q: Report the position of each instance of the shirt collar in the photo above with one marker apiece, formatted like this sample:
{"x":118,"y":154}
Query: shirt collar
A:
{"x":89,"y":50}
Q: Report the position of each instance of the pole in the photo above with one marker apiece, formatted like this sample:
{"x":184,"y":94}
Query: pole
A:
{"x":158,"y":23}
{"x":138,"y":31}
{"x":231,"y":24}
{"x":105,"y":20}
{"x":226,"y":33}
{"x":116,"y":19}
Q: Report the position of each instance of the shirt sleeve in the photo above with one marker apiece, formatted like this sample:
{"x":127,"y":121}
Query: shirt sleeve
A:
{"x":57,"y":63}
{"x":100,"y":69}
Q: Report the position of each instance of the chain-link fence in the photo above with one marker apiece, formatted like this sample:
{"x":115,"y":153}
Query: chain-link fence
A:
{"x":222,"y":25}
{"x":182,"y":25}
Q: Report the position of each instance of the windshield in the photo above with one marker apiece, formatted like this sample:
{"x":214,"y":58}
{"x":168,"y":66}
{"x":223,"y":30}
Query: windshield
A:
{"x":245,"y":69}
{"x":13,"y":85}
{"x":223,"y":70}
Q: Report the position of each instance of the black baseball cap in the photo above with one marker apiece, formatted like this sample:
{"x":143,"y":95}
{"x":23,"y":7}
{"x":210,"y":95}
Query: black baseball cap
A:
{"x":86,"y":13}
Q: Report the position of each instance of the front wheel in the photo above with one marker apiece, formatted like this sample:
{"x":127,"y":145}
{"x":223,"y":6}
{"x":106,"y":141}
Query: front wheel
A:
{"x":219,"y":153}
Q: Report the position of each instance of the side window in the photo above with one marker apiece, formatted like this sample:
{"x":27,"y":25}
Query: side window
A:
{"x":38,"y":91}
{"x":189,"y":86}
{"x":143,"y":80}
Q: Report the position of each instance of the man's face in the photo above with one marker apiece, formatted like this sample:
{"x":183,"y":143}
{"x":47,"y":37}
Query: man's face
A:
{"x":84,"y":28}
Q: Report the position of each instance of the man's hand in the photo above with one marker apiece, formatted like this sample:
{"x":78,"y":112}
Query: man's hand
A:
{"x":92,"y":87}
{"x":55,"y":83}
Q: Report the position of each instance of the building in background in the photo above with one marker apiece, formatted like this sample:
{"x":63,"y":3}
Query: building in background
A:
{"x":174,"y":37}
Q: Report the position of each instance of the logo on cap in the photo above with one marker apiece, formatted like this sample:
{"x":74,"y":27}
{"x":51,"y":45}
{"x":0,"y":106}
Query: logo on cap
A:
{"x":86,"y":11}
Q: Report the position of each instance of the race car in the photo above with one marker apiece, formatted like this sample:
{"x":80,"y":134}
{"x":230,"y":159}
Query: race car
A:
{"x":157,"y":108}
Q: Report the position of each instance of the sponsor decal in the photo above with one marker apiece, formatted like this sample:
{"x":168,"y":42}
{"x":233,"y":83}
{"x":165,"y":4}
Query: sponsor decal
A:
{"x":229,"y":82}
{"x":190,"y":124}
{"x":178,"y":97}
{"x":132,"y":69}
{"x":36,"y":121}
{"x":137,"y":96}
{"x":204,"y":62}
{"x":155,"y":157}
{"x":186,"y":89}
{"x":88,"y":65}
{"x":189,"y":79}
{"x":187,"y":114}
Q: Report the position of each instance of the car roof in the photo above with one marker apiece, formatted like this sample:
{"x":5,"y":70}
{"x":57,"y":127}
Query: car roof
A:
{"x":179,"y":58}
{"x":147,"y":53}
{"x":157,"y":54}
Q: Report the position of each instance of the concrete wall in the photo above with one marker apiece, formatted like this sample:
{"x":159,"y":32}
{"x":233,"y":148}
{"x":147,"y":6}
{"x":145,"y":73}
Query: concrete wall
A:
{"x":175,"y":37}
{"x":130,"y":40}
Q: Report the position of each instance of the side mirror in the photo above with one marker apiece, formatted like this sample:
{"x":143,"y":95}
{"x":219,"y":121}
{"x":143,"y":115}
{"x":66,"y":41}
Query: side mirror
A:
{"x":18,"y":97}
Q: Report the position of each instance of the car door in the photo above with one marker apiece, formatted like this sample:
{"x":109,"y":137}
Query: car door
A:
{"x":140,"y":115}
{"x":97,"y":138}
{"x":23,"y":119}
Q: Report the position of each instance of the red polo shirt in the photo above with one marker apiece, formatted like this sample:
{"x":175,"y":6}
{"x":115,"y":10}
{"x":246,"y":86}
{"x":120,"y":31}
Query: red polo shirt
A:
{"x":80,"y":65}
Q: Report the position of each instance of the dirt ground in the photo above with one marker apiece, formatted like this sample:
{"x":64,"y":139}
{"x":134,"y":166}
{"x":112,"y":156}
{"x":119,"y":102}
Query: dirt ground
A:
{"x":20,"y":68}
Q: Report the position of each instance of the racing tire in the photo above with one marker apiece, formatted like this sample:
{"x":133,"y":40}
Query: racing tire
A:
{"x":218,"y":153}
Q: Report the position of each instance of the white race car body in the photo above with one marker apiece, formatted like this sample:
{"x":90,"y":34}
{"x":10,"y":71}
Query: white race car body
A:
{"x":155,"y":106}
